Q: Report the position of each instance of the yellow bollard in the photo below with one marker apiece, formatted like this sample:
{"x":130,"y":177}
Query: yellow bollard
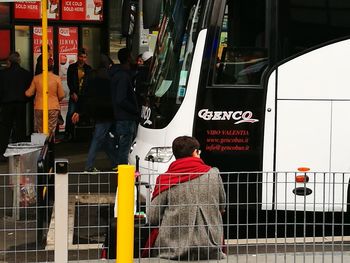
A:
{"x":125,"y":214}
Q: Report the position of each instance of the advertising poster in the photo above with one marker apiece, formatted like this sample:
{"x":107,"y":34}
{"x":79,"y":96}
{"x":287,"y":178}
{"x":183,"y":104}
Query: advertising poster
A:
{"x":32,"y":9}
{"x":37,"y":41}
{"x":53,"y":11}
{"x":67,"y":54}
{"x":28,"y":10}
{"x":4,"y":44}
{"x":94,"y":10}
{"x":82,"y":10}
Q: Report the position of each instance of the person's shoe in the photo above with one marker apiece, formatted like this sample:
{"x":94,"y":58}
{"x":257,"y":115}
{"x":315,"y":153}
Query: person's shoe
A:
{"x":115,"y":169}
{"x":92,"y":170}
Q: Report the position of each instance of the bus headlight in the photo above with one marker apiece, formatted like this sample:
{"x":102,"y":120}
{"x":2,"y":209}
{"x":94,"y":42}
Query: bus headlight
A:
{"x":159,"y":154}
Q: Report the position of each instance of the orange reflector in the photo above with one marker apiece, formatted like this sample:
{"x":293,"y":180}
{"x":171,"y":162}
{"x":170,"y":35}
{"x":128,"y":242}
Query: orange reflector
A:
{"x":301,"y":178}
{"x":303,"y":169}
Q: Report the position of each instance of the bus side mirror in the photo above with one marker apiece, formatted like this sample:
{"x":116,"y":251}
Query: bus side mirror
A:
{"x":129,"y":9}
{"x":151,"y":13}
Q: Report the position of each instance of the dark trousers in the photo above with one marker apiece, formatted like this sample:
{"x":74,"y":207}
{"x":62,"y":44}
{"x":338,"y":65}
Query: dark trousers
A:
{"x":124,"y":132}
{"x":71,"y":109}
{"x":13,"y":118}
{"x":100,"y":140}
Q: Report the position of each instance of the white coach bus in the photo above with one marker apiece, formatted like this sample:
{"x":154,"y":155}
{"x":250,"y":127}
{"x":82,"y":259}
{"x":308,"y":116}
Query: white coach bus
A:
{"x":264,"y":85}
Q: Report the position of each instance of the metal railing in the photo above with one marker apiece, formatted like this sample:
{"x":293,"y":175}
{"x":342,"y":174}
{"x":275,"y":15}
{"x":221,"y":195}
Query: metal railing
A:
{"x":77,"y":206}
{"x":268,"y":217}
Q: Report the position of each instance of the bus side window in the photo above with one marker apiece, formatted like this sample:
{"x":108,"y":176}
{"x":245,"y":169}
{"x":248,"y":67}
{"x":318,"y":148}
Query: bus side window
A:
{"x":225,"y":71}
{"x":241,"y":66}
{"x":241,"y":44}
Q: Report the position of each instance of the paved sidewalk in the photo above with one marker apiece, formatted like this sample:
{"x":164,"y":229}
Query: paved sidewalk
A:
{"x":327,"y":257}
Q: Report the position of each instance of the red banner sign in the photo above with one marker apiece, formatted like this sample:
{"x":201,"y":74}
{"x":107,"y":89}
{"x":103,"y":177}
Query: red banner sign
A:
{"x":28,"y":10}
{"x":37,"y":40}
{"x":32,"y":10}
{"x":82,"y":10}
{"x":4,"y":44}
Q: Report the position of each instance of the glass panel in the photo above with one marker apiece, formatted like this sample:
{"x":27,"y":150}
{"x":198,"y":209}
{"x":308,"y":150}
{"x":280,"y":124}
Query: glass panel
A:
{"x":241,"y":66}
{"x":91,"y":42}
{"x":4,"y":13}
{"x":116,"y":41}
{"x":242,"y":52}
{"x":172,"y":61}
{"x":22,"y":45}
{"x":305,"y":24}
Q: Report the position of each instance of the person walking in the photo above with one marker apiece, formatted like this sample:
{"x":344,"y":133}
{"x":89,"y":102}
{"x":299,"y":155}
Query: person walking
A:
{"x":124,"y":103}
{"x":76,"y":81}
{"x":14,"y":80}
{"x":55,"y":95}
{"x":187,"y":205}
{"x":97,"y":104}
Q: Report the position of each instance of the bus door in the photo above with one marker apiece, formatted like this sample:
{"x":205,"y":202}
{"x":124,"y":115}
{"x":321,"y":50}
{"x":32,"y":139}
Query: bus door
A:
{"x":230,"y":107}
{"x":229,"y":125}
{"x":308,"y":100}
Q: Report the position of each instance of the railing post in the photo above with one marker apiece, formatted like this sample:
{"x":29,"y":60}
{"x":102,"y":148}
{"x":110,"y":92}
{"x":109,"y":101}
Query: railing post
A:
{"x":125,"y":214}
{"x":61,"y":210}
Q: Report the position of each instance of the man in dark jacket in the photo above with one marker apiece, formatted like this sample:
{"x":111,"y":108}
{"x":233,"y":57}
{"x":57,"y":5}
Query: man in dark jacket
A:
{"x":76,"y":75}
{"x":39,"y":60}
{"x":97,"y":104}
{"x":124,"y":104}
{"x":14,"y":81}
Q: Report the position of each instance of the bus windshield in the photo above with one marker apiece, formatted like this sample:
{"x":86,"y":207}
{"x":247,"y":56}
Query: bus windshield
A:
{"x":171,"y":64}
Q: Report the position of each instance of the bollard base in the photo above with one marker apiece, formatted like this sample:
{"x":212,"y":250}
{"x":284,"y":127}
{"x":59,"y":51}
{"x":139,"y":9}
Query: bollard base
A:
{"x":141,"y":233}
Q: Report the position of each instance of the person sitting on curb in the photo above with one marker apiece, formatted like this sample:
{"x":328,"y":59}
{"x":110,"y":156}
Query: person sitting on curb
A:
{"x":187,"y":206}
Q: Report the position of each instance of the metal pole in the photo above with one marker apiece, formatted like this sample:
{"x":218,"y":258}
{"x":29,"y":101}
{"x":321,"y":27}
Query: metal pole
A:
{"x":125,"y":214}
{"x":61,"y":210}
{"x":45,"y":64}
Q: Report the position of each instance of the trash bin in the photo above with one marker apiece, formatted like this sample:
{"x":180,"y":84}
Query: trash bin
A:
{"x":23,"y":158}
